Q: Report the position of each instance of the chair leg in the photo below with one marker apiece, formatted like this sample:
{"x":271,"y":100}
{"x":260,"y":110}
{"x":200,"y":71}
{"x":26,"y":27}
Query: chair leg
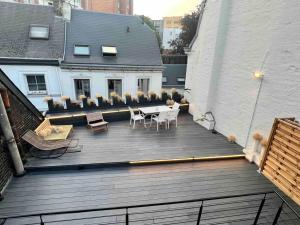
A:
{"x":133,"y":124}
{"x":157,"y":127}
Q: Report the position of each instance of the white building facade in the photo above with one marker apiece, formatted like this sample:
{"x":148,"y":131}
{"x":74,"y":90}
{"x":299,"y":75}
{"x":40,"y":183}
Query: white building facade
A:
{"x":234,"y":40}
{"x":64,"y":61}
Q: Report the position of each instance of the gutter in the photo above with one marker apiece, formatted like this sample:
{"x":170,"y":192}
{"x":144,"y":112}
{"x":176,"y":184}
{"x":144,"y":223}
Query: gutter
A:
{"x":29,"y":61}
{"x":111,"y":67}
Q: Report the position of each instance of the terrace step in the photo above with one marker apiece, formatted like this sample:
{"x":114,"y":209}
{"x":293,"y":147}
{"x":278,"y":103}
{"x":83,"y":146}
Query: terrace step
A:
{"x":130,"y":163}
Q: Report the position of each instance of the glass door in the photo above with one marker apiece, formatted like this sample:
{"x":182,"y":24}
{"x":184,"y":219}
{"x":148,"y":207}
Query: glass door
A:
{"x":82,"y":87}
{"x":114,"y":85}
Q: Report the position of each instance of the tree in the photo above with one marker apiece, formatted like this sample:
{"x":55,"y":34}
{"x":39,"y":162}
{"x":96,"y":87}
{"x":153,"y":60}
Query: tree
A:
{"x":147,"y":20}
{"x":189,"y":28}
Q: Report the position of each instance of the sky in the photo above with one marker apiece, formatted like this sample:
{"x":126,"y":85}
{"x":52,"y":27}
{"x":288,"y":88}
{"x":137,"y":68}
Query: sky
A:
{"x":156,"y":9}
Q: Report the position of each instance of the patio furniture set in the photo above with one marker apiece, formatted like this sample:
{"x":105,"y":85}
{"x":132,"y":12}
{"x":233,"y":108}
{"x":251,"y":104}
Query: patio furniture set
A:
{"x":159,"y":114}
{"x":53,"y":140}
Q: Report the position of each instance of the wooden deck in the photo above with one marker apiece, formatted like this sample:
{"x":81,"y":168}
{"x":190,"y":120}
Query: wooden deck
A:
{"x":40,"y":192}
{"x":123,"y":144}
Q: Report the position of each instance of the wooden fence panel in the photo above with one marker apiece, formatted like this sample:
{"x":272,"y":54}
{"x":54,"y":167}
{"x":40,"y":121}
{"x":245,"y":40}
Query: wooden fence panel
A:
{"x":281,"y":161}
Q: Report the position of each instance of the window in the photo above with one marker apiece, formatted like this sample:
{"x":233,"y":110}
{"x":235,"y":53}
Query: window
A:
{"x":39,"y":31}
{"x":143,"y":85}
{"x":164,"y":79}
{"x":81,"y":50}
{"x":109,"y":51}
{"x":82,"y":87}
{"x":36,"y":84}
{"x":180,"y":79}
{"x":114,"y":85}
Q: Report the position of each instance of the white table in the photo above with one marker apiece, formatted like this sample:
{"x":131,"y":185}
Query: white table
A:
{"x":153,"y":110}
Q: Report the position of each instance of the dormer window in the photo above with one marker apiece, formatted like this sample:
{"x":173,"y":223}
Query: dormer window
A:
{"x":82,"y":50}
{"x":180,"y":79}
{"x":109,"y":51}
{"x":39,"y":31}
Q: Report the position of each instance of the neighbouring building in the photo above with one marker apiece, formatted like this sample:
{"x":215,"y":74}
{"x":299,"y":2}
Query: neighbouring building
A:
{"x":159,"y":26}
{"x":174,"y":73}
{"x":171,"y":29}
{"x":119,"y":54}
{"x":114,"y":53}
{"x":22,"y":116}
{"x":31,"y":46}
{"x":243,"y":70}
{"x":73,"y":3}
{"x":110,"y":6}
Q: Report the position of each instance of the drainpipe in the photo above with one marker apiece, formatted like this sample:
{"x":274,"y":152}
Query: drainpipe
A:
{"x":10,"y":139}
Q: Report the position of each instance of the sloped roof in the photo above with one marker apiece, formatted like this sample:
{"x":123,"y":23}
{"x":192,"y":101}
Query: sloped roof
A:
{"x":15,"y":20}
{"x":172,"y":72}
{"x":138,"y":47}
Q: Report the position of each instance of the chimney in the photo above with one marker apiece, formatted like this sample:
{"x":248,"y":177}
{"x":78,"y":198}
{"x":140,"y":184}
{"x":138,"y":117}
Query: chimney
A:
{"x":62,"y":8}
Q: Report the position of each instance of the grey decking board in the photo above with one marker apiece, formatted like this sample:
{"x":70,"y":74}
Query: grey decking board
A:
{"x":156,"y":191}
{"x":123,"y":144}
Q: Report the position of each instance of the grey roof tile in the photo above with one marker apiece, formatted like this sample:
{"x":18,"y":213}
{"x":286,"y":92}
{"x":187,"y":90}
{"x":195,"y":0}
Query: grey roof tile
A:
{"x":15,"y":20}
{"x":172,"y":72}
{"x":138,"y":47}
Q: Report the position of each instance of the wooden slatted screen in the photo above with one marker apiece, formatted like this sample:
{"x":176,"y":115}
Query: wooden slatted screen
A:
{"x":281,"y":161}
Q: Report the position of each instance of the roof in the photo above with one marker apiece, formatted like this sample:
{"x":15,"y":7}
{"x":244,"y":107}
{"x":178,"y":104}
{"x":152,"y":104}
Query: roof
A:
{"x":138,"y":47}
{"x":13,"y":89}
{"x":15,"y":20}
{"x":172,"y":72}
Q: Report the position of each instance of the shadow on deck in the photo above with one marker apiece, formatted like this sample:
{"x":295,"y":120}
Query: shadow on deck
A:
{"x":121,"y":145}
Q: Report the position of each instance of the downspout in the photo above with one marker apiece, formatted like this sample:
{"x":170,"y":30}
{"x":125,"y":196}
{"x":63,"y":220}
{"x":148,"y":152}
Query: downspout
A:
{"x":10,"y":139}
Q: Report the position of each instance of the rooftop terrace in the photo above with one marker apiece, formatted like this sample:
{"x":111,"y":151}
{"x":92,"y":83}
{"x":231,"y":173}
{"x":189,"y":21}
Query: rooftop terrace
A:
{"x":122,"y":144}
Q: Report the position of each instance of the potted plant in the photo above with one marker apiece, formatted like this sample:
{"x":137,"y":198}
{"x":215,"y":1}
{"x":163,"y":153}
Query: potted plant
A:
{"x":84,"y":100}
{"x":141,"y":98}
{"x":175,"y":95}
{"x":257,"y":139}
{"x":153,"y":97}
{"x":170,"y":102}
{"x":231,"y":138}
{"x":49,"y":101}
{"x":58,"y":106}
{"x":164,"y":96}
{"x":128,"y":99}
{"x":67,"y":101}
{"x":92,"y":103}
{"x":183,"y":101}
{"x":99,"y":99}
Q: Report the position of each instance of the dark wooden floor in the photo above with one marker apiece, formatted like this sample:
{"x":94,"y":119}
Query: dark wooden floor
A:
{"x":123,"y":144}
{"x":70,"y":190}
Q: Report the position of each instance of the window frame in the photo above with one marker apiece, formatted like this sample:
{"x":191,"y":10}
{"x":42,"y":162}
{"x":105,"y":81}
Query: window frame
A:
{"x":39,"y":25}
{"x":81,"y":45}
{"x":180,"y":79}
{"x":149,"y":84}
{"x":164,"y":79}
{"x":109,"y":53}
{"x":36,"y":92}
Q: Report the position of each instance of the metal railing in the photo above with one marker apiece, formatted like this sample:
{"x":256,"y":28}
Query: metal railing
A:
{"x":236,"y":208}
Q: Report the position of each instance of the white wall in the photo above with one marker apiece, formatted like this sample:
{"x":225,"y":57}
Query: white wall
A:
{"x":98,"y":81}
{"x":169,"y":34}
{"x":17,"y":73}
{"x":230,"y":46}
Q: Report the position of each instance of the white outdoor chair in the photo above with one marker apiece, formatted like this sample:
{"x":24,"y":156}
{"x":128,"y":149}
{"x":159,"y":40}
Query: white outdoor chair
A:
{"x":176,"y":105}
{"x":134,"y":117}
{"x":162,"y":117}
{"x":172,"y":116}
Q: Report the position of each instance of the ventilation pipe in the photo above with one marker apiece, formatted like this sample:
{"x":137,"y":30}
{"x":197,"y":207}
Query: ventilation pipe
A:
{"x":10,"y":139}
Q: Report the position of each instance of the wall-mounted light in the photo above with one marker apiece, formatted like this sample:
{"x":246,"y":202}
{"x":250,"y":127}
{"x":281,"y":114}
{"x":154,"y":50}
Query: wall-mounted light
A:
{"x":258,"y":75}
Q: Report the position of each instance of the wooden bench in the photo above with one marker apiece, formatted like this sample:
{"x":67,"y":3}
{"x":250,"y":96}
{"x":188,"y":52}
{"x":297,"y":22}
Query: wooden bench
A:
{"x":66,"y":130}
{"x":96,"y":122}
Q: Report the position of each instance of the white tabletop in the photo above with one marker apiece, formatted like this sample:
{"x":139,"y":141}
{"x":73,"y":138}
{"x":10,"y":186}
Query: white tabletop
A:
{"x":154,"y":109}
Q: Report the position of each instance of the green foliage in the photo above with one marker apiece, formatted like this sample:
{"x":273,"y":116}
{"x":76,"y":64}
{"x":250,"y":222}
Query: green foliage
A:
{"x":147,"y":20}
{"x":189,"y":28}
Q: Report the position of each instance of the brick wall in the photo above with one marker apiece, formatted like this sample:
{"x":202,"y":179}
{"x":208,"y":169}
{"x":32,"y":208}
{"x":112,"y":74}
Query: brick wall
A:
{"x":109,"y":6}
{"x":21,"y":119}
